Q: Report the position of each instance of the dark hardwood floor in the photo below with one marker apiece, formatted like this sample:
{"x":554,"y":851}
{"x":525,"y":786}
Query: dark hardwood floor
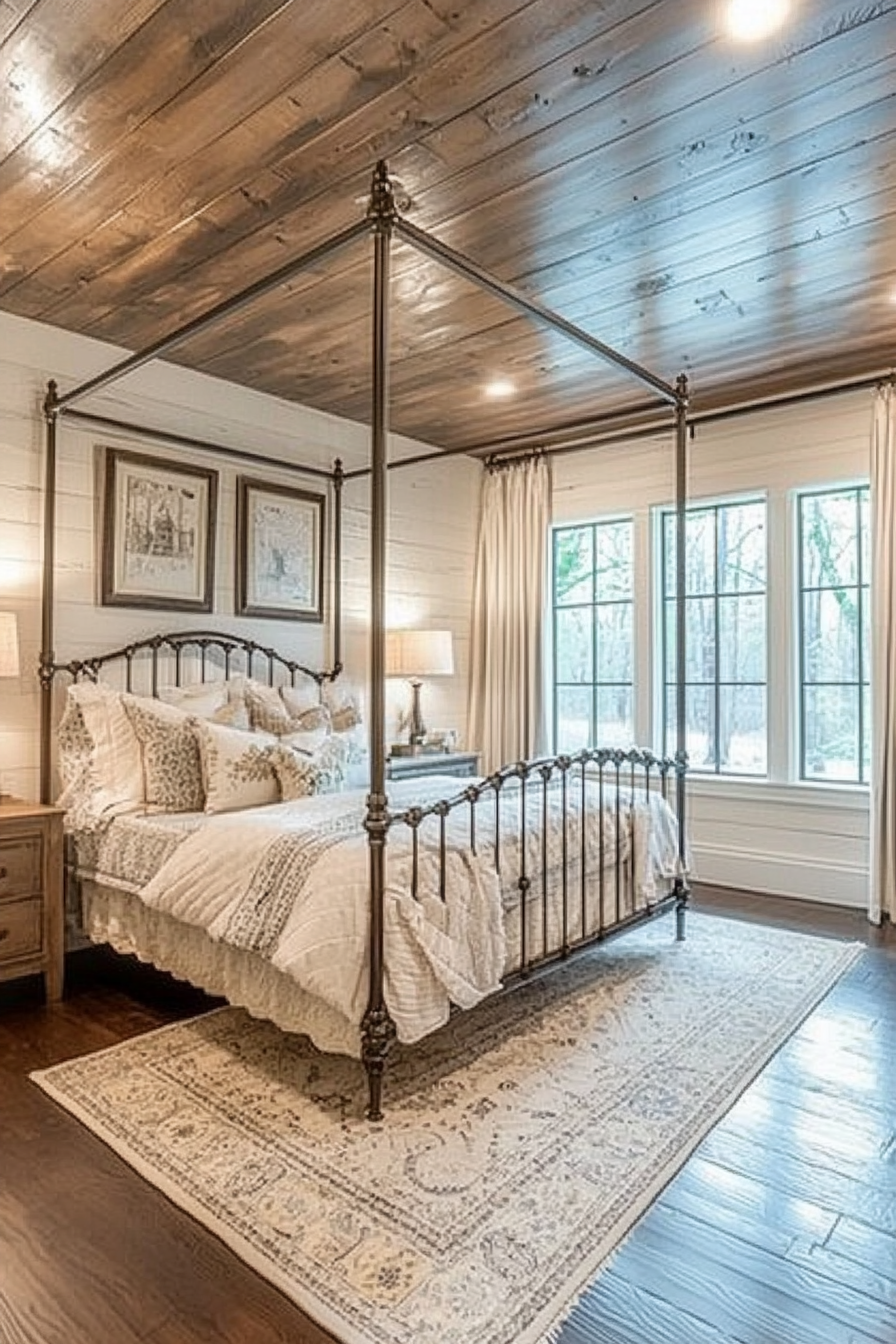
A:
{"x":781,"y":1229}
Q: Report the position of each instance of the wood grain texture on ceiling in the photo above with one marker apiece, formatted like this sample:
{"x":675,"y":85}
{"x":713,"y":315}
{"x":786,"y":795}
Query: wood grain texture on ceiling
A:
{"x":724,"y":210}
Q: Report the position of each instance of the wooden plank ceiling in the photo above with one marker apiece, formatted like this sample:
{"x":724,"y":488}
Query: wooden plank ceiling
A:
{"x":723,"y":209}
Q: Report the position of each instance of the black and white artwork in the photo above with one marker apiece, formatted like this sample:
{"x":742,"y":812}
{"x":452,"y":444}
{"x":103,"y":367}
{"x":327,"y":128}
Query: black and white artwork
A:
{"x":158,"y":533}
{"x":280,"y":550}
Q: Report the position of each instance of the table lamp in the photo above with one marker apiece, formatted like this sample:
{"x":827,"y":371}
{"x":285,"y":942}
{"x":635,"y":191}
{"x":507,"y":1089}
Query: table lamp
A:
{"x":416,"y":654}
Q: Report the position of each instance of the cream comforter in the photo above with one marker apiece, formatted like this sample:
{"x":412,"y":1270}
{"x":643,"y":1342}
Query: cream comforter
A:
{"x":290,"y":883}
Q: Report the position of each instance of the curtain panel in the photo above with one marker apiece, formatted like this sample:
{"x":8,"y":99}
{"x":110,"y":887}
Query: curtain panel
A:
{"x":882,"y":896}
{"x":507,"y":672}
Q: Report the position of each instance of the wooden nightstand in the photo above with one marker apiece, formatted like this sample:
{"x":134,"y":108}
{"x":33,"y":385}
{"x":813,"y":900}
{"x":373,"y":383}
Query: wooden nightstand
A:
{"x":441,"y":763}
{"x":31,"y":916}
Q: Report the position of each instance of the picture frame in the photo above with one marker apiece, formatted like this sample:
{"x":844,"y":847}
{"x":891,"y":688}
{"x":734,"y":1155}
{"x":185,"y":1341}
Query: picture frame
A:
{"x":158,"y":529}
{"x":280,"y":551}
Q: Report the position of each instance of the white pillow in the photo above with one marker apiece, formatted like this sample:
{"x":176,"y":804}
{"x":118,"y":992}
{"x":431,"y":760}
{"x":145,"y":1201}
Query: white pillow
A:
{"x":300,"y":698}
{"x":237,"y":767}
{"x":172,"y":772}
{"x":220,"y":701}
{"x":344,"y":705}
{"x":307,"y":742}
{"x":116,"y":764}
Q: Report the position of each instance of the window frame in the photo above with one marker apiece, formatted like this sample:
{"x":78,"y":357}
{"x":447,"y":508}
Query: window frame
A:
{"x":665,"y":601}
{"x":863,"y":592}
{"x":595,"y":684}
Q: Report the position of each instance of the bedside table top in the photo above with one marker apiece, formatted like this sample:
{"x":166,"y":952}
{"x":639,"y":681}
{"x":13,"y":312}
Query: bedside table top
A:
{"x":13,"y":808}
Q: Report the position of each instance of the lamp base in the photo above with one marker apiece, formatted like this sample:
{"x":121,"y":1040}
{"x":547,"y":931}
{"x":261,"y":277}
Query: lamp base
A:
{"x":417,"y":728}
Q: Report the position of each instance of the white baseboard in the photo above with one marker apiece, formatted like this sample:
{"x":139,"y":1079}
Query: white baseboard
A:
{"x":782,"y":875}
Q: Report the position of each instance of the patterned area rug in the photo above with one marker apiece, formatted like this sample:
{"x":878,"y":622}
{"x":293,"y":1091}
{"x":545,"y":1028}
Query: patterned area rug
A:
{"x":520,"y":1143}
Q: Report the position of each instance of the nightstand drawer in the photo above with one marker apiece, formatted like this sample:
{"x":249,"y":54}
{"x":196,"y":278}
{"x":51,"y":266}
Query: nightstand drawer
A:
{"x":20,"y":866}
{"x":20,"y":929}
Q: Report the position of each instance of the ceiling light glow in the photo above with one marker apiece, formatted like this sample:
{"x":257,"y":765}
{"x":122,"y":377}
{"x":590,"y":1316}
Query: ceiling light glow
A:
{"x":499,"y":387}
{"x":750,"y":20}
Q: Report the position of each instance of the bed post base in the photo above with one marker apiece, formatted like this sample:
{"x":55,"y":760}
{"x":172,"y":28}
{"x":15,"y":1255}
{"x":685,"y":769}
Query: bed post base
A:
{"x":682,"y":894}
{"x":377,"y":1035}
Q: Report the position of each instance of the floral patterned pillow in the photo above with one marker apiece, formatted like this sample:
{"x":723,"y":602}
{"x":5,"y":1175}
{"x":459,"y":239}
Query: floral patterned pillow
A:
{"x":237,"y":767}
{"x":270,"y":713}
{"x":172,"y":771}
{"x":302,"y":773}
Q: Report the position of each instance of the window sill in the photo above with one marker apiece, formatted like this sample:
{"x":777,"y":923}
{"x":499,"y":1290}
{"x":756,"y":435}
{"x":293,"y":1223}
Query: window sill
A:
{"x":737,"y":788}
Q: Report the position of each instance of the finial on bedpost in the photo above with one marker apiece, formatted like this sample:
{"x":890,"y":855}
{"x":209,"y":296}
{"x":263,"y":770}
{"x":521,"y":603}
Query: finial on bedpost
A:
{"x":682,"y":393}
{"x":381,"y":210}
{"x":51,"y":399}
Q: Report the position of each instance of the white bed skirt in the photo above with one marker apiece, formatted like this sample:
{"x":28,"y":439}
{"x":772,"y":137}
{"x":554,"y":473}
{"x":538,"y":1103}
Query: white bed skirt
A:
{"x":243,"y":978}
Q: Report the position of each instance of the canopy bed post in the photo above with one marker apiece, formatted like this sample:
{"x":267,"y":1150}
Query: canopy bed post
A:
{"x":681,"y":889}
{"x":338,"y":480}
{"x":47,"y":654}
{"x":377,"y":1027}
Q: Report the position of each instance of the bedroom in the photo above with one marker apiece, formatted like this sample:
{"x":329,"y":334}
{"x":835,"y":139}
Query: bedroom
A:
{"x":804,"y":848}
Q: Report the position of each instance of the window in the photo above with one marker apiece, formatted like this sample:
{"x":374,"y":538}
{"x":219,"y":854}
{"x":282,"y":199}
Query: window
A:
{"x":725,"y":614}
{"x":834,"y":634}
{"x":593,"y":635}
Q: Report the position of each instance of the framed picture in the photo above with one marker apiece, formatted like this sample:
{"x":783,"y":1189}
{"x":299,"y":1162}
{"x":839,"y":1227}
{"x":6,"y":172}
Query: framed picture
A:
{"x":158,"y":533}
{"x":280,"y":551}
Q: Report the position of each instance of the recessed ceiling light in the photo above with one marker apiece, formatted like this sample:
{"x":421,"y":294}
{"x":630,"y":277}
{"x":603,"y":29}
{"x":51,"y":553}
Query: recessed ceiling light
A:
{"x":749,"y":20}
{"x":500,"y":387}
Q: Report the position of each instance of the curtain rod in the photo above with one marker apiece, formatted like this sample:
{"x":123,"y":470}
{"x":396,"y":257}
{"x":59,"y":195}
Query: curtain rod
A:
{"x":574,"y":441}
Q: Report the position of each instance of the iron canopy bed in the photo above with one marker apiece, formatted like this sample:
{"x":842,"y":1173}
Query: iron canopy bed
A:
{"x":562,"y":843}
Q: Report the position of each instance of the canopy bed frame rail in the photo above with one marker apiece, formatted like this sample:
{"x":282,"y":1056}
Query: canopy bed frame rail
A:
{"x":383,"y":222}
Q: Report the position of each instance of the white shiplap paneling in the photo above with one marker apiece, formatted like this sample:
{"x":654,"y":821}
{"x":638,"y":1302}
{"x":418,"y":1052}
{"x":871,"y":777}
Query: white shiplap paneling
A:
{"x":432,"y":522}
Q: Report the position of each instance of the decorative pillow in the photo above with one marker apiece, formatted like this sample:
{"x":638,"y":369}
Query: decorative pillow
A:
{"x":309,"y":741}
{"x":301,"y":773}
{"x":300,"y":698}
{"x":112,"y":765}
{"x":237,"y":767}
{"x":297,"y":775}
{"x":80,"y":790}
{"x":219,"y":701}
{"x":172,"y":771}
{"x":269,"y":713}
{"x":345,"y":707}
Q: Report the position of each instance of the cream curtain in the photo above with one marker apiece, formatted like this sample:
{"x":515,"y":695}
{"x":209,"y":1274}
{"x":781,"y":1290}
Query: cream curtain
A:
{"x":507,"y":677}
{"x":882,"y":901}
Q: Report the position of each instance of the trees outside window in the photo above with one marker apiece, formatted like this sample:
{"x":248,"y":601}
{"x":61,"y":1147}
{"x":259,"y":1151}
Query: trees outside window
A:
{"x":726,"y":640}
{"x":592,"y":589}
{"x":834,"y":634}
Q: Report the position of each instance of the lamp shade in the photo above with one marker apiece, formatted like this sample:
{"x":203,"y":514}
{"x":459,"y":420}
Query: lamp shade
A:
{"x":9,"y":644}
{"x":419,"y":653}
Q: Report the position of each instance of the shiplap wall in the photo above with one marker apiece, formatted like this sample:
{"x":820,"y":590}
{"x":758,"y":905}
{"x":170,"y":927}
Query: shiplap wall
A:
{"x":808,"y":840}
{"x":432,"y":521}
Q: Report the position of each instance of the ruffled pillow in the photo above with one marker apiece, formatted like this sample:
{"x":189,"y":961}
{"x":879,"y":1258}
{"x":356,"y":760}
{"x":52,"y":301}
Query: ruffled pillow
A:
{"x":237,"y":767}
{"x":172,"y":770}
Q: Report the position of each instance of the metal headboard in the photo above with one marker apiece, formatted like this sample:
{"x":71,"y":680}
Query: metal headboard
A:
{"x":210,"y":649}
